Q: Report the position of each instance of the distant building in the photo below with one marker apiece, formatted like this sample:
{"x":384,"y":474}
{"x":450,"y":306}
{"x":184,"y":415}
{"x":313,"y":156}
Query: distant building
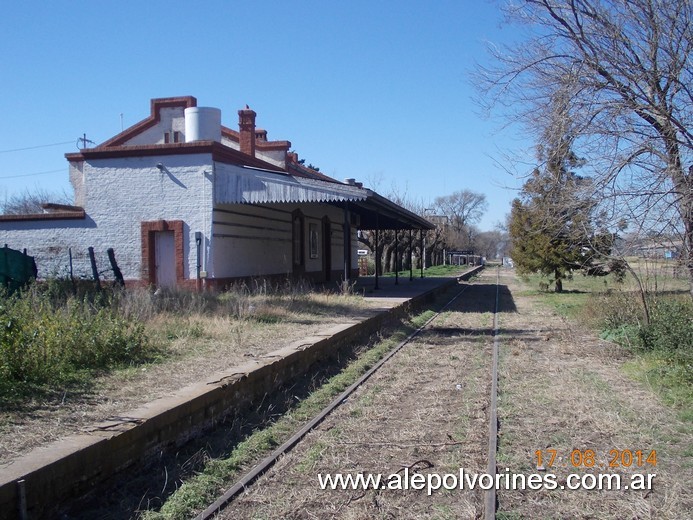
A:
{"x":659,"y":249}
{"x":185,"y":201}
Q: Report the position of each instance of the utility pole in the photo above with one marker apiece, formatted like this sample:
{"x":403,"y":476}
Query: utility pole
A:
{"x":84,"y":142}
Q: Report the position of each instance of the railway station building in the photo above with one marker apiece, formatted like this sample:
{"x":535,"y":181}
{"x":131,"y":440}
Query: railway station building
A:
{"x":184,"y":201}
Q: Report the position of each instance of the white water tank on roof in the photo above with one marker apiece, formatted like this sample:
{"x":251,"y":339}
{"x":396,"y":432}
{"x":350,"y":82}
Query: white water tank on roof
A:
{"x":202,"y":124}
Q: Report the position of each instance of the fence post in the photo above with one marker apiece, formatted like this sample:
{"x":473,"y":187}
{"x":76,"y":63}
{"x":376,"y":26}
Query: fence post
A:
{"x":72,"y":274}
{"x":116,"y":270}
{"x":94,"y":270}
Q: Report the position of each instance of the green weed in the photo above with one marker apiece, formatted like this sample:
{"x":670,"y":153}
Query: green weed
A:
{"x":46,"y":340}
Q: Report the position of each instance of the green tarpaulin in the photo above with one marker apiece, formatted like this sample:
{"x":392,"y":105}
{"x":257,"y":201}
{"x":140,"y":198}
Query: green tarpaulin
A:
{"x":16,"y":268}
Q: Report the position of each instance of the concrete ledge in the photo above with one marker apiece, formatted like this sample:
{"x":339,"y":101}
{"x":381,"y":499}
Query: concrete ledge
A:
{"x":51,"y":476}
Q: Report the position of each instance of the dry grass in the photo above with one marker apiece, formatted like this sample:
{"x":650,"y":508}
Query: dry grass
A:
{"x":659,"y":275}
{"x":200,"y":336}
{"x":411,"y":415}
{"x":562,"y":388}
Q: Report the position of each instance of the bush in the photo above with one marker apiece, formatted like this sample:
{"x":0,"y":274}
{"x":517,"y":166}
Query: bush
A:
{"x":670,"y":329}
{"x":664,"y":347}
{"x":620,"y":317}
{"x":48,"y":340}
{"x":614,"y":310}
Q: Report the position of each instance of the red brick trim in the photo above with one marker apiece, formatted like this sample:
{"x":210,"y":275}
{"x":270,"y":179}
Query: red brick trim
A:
{"x":55,"y":215}
{"x":220,"y":153}
{"x":148,"y":248}
{"x":230,"y":133}
{"x":297,"y":169}
{"x":156,"y":105}
{"x":273,"y":145}
{"x":259,"y":145}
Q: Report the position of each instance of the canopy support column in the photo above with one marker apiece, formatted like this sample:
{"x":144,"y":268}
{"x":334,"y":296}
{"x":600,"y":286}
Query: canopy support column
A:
{"x":396,"y":257}
{"x":423,"y":250}
{"x":377,"y":250}
{"x":411,"y":256}
{"x":347,"y":246}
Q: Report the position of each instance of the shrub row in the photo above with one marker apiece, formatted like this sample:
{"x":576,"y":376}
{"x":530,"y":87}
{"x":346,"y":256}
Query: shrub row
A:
{"x":44,"y":340}
{"x":667,"y":339}
{"x":670,"y":329}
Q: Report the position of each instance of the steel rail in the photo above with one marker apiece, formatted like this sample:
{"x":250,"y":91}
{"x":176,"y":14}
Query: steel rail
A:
{"x":490,"y":508}
{"x":269,"y":461}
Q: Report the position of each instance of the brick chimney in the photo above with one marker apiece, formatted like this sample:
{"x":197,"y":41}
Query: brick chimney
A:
{"x":246,"y":125}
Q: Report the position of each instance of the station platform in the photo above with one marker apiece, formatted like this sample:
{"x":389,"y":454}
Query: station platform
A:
{"x":405,"y":289}
{"x":393,"y":291}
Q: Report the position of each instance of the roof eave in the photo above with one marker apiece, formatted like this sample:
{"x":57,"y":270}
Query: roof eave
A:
{"x":219,"y":152}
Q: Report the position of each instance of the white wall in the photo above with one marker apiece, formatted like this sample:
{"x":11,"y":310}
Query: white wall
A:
{"x":250,"y":241}
{"x":172,"y":119}
{"x":276,"y":157}
{"x":119,"y":195}
{"x":257,"y":240}
{"x":123,"y":193}
{"x":48,"y":241}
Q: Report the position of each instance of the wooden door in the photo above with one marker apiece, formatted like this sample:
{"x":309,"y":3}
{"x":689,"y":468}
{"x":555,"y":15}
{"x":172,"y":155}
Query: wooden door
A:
{"x":165,"y":259}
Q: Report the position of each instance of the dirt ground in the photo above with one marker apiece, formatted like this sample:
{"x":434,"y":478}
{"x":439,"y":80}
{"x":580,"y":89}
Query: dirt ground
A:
{"x":426,"y":411}
{"x":199,"y":346}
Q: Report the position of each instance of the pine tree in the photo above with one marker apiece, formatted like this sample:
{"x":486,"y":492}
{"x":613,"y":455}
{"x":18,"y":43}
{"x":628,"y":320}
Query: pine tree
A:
{"x":551,"y":224}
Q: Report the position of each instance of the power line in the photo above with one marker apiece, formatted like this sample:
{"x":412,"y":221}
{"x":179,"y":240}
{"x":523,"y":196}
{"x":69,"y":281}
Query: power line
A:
{"x":33,"y":174}
{"x":34,"y":147}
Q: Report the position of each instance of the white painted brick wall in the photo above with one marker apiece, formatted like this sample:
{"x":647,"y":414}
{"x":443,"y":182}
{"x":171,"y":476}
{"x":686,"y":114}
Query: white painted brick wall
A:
{"x":172,"y":119}
{"x":122,"y":193}
{"x":271,"y":253}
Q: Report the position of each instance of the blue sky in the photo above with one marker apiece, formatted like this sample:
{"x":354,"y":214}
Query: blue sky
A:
{"x":378,"y":91}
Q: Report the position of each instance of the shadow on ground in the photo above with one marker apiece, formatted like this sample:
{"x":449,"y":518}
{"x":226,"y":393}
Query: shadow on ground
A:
{"x":481,"y":298}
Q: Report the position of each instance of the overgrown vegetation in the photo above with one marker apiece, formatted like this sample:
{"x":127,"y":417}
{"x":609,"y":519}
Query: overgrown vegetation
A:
{"x":50,"y":338}
{"x":59,"y":335}
{"x":434,"y":270}
{"x":662,"y":349}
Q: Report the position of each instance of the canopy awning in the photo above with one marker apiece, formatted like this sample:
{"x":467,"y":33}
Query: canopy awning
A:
{"x":256,"y":186}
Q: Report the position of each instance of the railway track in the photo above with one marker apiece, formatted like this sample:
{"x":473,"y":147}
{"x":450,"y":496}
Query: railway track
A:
{"x":488,"y":297}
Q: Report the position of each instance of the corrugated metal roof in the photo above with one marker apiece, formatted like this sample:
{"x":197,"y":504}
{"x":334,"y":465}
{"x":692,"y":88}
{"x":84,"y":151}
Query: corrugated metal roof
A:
{"x":255,"y":186}
{"x":249,"y":185}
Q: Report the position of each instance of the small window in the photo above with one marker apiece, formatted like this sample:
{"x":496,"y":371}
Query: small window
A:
{"x":172,"y":137}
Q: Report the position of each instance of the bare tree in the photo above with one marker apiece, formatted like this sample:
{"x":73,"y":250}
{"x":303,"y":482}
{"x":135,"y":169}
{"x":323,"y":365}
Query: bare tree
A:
{"x":464,"y":207}
{"x":461,"y":210}
{"x":453,"y":215}
{"x":624,"y":69}
{"x":394,"y":246}
{"x":492,"y":244}
{"x":32,"y":201}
